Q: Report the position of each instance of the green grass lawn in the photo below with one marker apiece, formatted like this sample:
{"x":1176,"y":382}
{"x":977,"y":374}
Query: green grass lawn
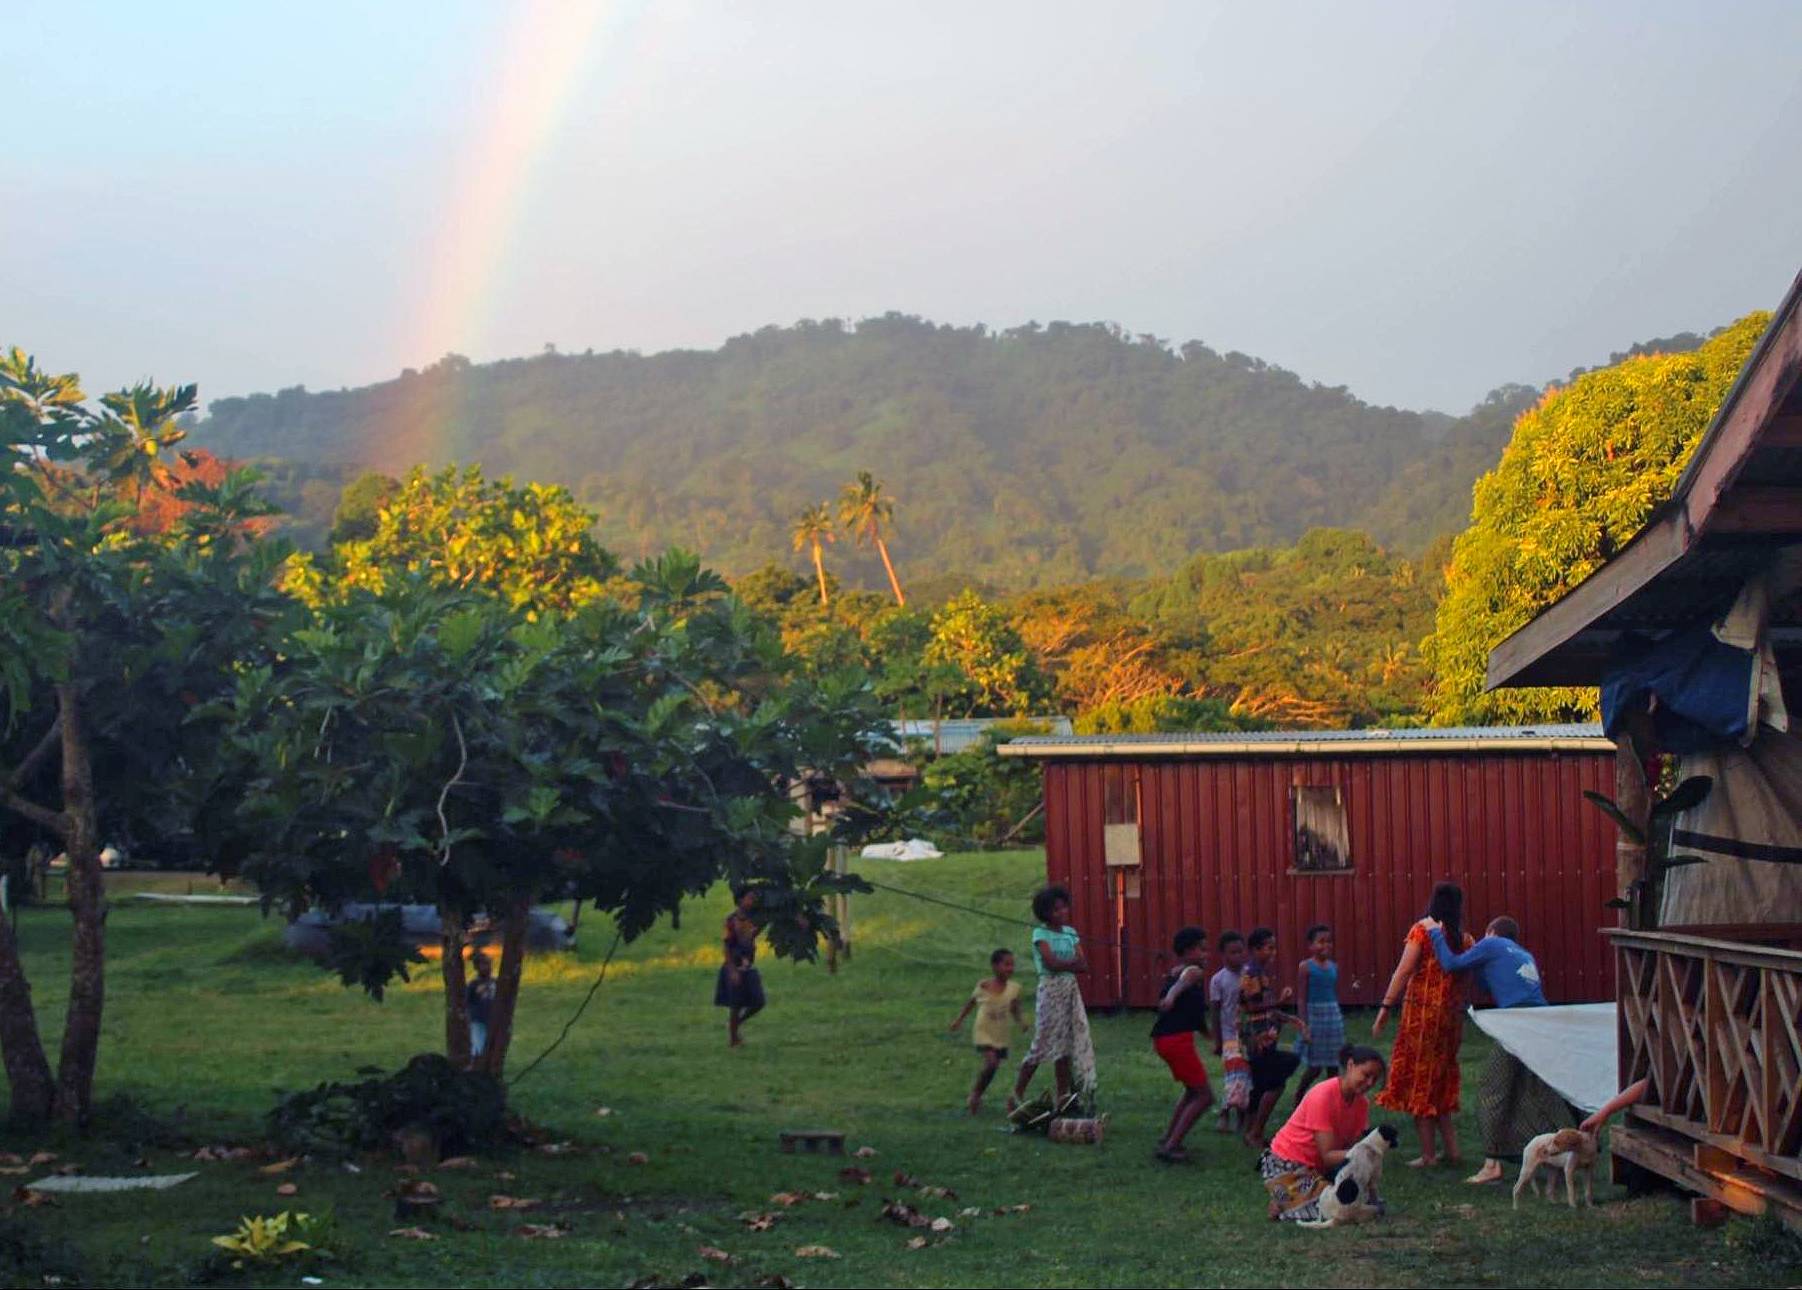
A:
{"x":207,"y":1019}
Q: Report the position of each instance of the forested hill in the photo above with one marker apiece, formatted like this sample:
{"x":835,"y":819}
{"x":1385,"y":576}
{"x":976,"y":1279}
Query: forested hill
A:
{"x":1029,"y":457}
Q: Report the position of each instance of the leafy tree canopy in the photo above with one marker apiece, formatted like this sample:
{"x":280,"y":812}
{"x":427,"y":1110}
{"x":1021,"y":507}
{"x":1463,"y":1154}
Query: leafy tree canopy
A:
{"x":533,"y":546}
{"x":1585,"y":468}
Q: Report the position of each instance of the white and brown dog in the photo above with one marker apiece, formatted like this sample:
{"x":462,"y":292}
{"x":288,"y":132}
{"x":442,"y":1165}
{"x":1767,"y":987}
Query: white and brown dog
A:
{"x":1352,"y":1197}
{"x":1571,"y":1151}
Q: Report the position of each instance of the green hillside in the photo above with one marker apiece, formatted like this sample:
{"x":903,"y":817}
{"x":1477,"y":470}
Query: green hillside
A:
{"x":1030,"y":457}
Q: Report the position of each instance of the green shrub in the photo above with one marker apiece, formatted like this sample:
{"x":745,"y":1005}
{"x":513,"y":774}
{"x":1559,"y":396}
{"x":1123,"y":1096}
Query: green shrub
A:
{"x":461,"y":1110}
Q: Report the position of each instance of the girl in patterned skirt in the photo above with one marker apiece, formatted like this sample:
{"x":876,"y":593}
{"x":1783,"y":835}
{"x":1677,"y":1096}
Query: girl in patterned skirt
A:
{"x":1060,"y":1032}
{"x":1317,"y":985}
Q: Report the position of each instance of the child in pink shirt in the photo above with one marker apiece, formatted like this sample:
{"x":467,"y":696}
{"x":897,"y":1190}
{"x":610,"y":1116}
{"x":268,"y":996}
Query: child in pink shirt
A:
{"x":1300,"y":1160}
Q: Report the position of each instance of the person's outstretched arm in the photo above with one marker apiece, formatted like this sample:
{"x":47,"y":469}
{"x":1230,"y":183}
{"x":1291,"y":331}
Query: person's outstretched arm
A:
{"x":1619,"y":1102}
{"x":1475,"y":956}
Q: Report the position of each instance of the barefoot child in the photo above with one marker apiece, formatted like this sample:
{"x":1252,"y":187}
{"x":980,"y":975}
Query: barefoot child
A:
{"x":996,"y":1000}
{"x":1317,"y":986}
{"x":740,"y":986}
{"x":1223,"y":1004}
{"x":1182,"y":1015}
{"x":1060,"y":1033}
{"x":1260,"y":1023}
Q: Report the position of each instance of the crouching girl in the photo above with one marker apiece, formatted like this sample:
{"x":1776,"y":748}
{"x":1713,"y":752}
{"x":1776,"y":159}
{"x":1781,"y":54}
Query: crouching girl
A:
{"x":1301,"y":1159}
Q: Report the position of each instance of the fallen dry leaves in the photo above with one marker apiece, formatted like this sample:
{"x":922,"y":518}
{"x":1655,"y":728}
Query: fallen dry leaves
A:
{"x":853,"y":1174}
{"x":759,"y":1222}
{"x":865,"y":1153}
{"x":541,"y":1231}
{"x":458,"y":1162}
{"x":224,"y":1153}
{"x":280,"y":1166}
{"x":815,"y":1252}
{"x":287,"y":1189}
{"x":713,"y":1254}
{"x":512,"y":1202}
{"x":411,"y":1234}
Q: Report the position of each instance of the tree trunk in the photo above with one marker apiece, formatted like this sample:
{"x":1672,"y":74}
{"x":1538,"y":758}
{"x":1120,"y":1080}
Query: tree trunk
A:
{"x":819,"y":570}
{"x":456,"y":992}
{"x":1634,"y":800}
{"x":889,"y":565}
{"x":87,"y":901}
{"x":506,"y":990}
{"x":27,"y":1069}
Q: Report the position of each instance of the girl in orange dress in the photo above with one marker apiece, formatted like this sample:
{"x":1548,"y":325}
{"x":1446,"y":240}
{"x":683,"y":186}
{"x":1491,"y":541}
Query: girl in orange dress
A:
{"x":1423,"y":1069}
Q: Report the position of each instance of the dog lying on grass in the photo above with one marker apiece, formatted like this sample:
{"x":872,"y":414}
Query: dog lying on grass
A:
{"x":1352,"y":1197}
{"x":1569,"y":1150}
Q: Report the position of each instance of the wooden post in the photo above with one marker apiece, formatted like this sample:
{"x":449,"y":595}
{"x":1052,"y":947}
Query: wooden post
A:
{"x":1635,"y":802}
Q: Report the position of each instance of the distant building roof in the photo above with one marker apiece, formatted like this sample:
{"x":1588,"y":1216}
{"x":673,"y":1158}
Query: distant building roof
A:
{"x":959,"y":733}
{"x":1550,"y":737}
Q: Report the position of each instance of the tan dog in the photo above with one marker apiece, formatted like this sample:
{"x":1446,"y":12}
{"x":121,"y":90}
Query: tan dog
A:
{"x":1569,"y":1150}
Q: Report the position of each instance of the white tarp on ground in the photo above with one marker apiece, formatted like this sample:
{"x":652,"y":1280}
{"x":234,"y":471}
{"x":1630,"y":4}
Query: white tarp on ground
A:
{"x":1571,"y":1047}
{"x":85,"y":1183}
{"x":912,"y":849}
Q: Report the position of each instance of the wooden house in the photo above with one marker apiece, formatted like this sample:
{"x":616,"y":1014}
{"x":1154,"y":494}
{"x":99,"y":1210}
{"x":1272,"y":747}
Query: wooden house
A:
{"x":1710,"y":992}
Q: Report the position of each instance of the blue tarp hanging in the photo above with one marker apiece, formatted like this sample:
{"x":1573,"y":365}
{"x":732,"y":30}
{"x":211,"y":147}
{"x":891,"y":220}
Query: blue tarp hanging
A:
{"x":1698,"y":688}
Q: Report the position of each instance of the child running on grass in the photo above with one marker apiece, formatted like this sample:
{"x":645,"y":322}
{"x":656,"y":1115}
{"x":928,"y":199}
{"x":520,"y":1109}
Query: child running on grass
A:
{"x":1223,"y":1004}
{"x":996,"y":1000}
{"x":1317,"y":986}
{"x":1060,"y":1033}
{"x":739,"y":988}
{"x":1182,"y":1015}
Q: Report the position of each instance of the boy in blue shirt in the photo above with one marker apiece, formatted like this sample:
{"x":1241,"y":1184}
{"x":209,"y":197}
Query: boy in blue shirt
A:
{"x":1513,"y":1104}
{"x":1508,"y":972}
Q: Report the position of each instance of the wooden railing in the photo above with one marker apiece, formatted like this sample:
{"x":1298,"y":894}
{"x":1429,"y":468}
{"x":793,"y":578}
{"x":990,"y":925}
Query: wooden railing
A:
{"x":1713,"y":1018}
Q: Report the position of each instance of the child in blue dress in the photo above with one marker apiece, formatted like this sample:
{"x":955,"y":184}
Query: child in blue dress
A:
{"x":1317,"y":984}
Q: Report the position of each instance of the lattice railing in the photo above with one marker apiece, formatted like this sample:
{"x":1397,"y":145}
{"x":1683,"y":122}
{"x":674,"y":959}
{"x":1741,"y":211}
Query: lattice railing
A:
{"x":1716,"y":1025}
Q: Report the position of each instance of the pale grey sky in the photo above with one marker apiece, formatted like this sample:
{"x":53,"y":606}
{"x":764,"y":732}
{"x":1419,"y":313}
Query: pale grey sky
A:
{"x":1419,"y":201}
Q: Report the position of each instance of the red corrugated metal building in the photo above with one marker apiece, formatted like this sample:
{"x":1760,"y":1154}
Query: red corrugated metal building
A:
{"x":1346,"y":827}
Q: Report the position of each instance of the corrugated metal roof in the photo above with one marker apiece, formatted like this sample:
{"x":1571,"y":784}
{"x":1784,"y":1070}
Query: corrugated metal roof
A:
{"x":1564,"y":736}
{"x":954,"y":734}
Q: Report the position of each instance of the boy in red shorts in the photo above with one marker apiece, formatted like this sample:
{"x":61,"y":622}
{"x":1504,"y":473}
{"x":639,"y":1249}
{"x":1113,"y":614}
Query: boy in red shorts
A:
{"x":1182,"y":1015}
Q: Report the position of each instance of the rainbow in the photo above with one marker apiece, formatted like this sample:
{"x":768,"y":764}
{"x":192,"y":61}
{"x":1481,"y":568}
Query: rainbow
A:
{"x":549,"y":49}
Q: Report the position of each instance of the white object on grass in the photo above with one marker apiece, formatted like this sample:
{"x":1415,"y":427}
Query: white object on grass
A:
{"x":83,"y":1182}
{"x":912,"y":849}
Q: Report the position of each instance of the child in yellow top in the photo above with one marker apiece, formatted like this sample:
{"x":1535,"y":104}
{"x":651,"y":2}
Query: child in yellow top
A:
{"x":996,"y":1000}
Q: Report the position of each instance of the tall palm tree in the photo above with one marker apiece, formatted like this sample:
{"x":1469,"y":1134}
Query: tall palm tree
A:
{"x":812,"y":528}
{"x":865,"y":511}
